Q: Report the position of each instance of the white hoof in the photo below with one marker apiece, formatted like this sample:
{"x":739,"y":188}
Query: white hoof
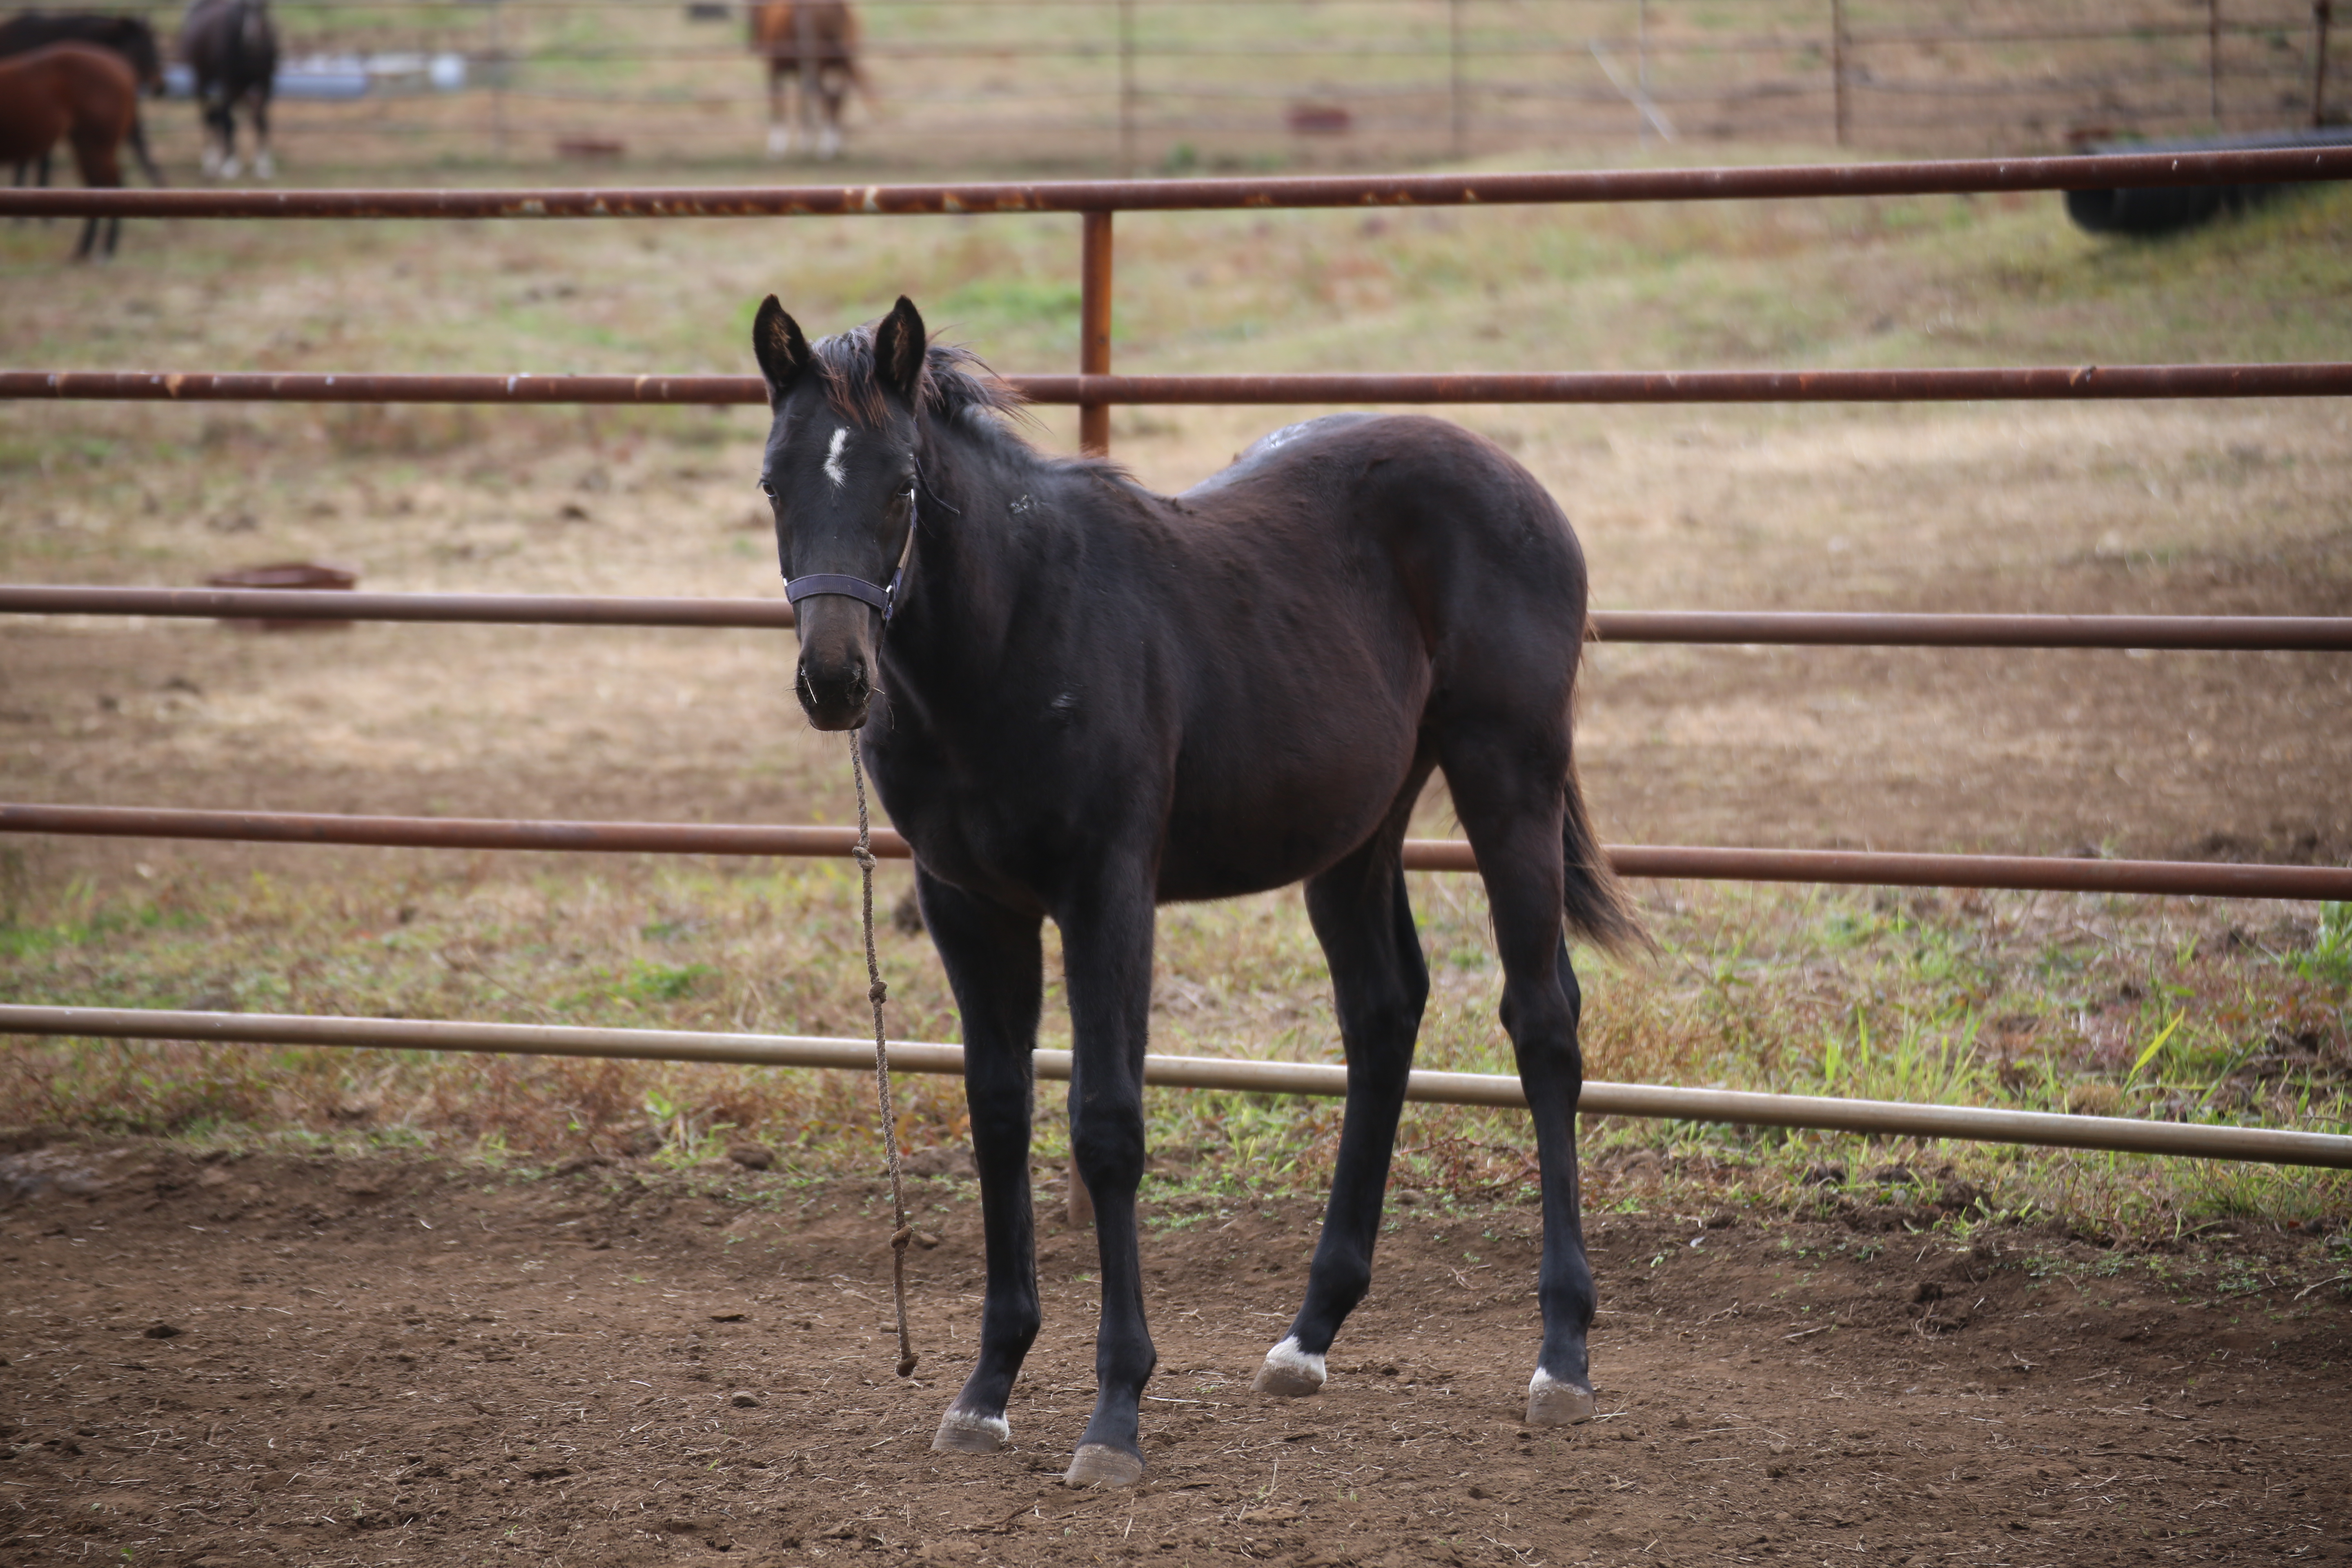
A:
{"x":780,"y":141}
{"x":265,"y":167}
{"x":1289,"y":1372}
{"x":1100,"y":1464}
{"x":1553,"y":1403}
{"x":967,"y":1432}
{"x":230,"y":168}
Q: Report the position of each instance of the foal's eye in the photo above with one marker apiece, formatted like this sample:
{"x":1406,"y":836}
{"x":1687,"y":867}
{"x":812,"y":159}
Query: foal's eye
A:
{"x":767,"y":489}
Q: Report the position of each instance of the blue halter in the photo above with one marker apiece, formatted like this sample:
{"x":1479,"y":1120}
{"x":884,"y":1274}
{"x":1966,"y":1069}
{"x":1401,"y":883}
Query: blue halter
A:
{"x":810,"y":584}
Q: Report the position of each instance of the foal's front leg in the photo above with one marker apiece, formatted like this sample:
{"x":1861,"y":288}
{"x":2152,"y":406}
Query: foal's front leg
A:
{"x":995,"y":965}
{"x":1107,"y":961}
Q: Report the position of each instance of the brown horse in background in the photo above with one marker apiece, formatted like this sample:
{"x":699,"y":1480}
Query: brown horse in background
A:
{"x":80,"y":94}
{"x":816,"y":42}
{"x":129,"y":37}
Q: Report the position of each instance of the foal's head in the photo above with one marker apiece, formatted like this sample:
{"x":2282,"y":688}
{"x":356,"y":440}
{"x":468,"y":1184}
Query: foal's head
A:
{"x":840,"y":475}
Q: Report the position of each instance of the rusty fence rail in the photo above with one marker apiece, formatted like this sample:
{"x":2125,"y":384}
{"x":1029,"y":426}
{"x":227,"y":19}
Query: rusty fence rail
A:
{"x":1932,"y":177}
{"x":1787,"y":628}
{"x":1963,"y":383}
{"x":1737,"y":1106}
{"x":1857,"y":868}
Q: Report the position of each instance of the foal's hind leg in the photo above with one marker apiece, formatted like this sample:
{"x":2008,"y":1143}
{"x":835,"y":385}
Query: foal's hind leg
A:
{"x":995,"y":964}
{"x":1512,"y":801}
{"x":1365,"y":924}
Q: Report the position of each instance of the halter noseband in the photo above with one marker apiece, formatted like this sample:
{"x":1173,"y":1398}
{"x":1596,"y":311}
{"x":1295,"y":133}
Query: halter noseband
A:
{"x":812,"y":583}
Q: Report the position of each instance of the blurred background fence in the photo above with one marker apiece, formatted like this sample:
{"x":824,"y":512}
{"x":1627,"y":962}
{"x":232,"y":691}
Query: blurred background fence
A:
{"x":1097,"y":85}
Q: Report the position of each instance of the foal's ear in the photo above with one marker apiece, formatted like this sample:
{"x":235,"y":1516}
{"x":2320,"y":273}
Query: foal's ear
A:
{"x":778,"y":345}
{"x":898,"y":347}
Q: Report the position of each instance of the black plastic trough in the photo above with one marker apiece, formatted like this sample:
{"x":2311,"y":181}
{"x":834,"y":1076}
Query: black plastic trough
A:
{"x":2168,"y":209}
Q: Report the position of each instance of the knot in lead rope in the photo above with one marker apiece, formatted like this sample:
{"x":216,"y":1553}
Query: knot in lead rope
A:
{"x":902,"y":1233}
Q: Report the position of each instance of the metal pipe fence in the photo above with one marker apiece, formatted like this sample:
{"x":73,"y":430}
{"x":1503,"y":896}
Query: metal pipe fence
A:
{"x":1134,"y":72}
{"x":1737,"y":1106}
{"x":1094,"y":390}
{"x":1101,"y":389}
{"x":2256,"y":166}
{"x":1787,"y":628}
{"x":1852,"y":868}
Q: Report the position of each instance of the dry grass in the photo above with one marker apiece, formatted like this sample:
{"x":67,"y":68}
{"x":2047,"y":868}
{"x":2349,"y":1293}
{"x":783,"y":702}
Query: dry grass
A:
{"x":2182,"y":1010}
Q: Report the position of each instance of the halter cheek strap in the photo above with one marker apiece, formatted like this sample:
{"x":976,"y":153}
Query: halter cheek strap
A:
{"x":811,"y":585}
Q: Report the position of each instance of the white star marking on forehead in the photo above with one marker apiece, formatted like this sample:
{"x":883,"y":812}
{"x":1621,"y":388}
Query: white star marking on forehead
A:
{"x":832,"y":469}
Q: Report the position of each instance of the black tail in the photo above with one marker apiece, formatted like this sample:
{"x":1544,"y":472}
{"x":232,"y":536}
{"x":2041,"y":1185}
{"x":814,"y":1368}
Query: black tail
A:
{"x":1600,"y":910}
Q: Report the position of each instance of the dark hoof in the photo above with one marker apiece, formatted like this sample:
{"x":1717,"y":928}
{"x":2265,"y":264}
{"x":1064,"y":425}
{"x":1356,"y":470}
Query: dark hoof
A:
{"x":1100,"y":1464}
{"x":1552,"y":1403}
{"x":965,"y":1432}
{"x":1289,"y":1372}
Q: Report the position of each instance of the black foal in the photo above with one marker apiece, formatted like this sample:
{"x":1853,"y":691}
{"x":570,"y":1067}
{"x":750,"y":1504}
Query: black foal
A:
{"x":1080,"y":701}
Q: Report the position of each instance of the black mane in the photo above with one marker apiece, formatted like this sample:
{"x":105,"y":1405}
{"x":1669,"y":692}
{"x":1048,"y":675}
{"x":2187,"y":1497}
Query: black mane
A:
{"x":955,"y":381}
{"x":959,"y":390}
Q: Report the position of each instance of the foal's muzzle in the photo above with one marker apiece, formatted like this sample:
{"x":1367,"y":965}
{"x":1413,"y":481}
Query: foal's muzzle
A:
{"x":833,"y":694}
{"x":835,"y":677}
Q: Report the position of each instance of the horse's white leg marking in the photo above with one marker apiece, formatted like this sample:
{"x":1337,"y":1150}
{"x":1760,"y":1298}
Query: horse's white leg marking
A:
{"x":1290,"y":1372}
{"x":230,"y":167}
{"x":832,"y":468}
{"x":1552,"y":1403}
{"x":828,"y":143}
{"x":265,"y":167}
{"x":965,"y":1432}
{"x":779,"y":131}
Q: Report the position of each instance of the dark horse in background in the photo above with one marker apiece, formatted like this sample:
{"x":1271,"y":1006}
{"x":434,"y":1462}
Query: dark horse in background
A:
{"x":232,"y":47}
{"x":79,"y":94}
{"x":129,"y":37}
{"x":1081,"y":700}
{"x":815,"y":43}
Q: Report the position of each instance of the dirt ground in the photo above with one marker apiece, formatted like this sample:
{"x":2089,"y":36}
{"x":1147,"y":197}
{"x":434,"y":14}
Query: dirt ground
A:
{"x":273,"y":1359}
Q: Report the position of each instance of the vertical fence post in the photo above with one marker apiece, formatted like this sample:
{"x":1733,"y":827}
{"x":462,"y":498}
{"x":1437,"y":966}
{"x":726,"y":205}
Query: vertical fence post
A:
{"x":1642,"y":59}
{"x":1127,"y":89}
{"x":1837,"y":64}
{"x":499,"y":77}
{"x":1094,"y":328}
{"x":1457,"y":110}
{"x":804,"y":51}
{"x":2320,"y":10}
{"x":2213,"y":59}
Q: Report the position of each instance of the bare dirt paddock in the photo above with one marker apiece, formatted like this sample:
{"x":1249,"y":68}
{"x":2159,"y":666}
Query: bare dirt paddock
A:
{"x":286,"y":1359}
